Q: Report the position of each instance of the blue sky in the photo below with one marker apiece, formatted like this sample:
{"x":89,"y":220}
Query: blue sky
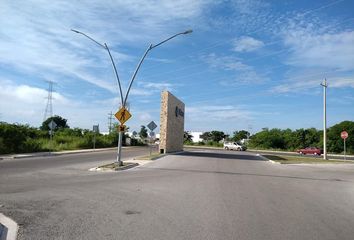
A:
{"x":247,"y":64}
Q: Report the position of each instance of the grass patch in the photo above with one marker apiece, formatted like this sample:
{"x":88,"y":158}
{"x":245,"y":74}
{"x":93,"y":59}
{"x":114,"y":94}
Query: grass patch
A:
{"x":115,"y":166}
{"x":150,"y":157}
{"x":297,"y":159}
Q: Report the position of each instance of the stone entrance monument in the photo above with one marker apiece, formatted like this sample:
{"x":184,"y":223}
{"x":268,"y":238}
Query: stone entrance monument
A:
{"x":171,"y":123}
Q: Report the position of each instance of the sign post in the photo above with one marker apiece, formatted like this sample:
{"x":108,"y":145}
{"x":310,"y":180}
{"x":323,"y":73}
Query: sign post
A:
{"x":344,"y":135}
{"x":152,"y":125}
{"x":122,"y":116}
{"x":52,"y":125}
{"x":95,"y":130}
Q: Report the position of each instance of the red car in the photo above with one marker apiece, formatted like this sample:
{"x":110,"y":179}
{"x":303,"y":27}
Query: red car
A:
{"x":310,"y":150}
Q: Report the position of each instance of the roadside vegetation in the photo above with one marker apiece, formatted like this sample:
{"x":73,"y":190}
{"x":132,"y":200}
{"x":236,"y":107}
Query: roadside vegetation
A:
{"x":18,"y":138}
{"x":298,"y":159}
{"x":283,"y":140}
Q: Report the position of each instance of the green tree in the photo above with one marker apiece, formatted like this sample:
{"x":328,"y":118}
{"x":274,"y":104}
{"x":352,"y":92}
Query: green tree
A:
{"x":61,"y":123}
{"x":143,"y":132}
{"x":239,"y":135}
{"x":216,"y":136}
{"x":335,"y":142}
{"x":187,"y":137}
{"x":268,"y":139}
{"x":206,"y":136}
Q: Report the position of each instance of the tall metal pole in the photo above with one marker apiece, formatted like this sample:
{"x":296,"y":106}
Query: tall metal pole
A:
{"x":105,"y":46}
{"x":124,"y":100}
{"x":324,"y":85}
{"x":120,"y":136}
{"x":143,"y":57}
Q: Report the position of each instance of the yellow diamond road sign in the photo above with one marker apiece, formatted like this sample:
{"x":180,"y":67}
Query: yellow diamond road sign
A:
{"x":123,"y":115}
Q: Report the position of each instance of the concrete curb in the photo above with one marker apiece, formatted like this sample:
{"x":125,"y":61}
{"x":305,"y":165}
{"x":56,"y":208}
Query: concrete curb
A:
{"x":137,"y":163}
{"x":45,"y":154}
{"x":294,"y":153}
{"x":152,"y":159}
{"x":266,"y":159}
{"x":274,"y":162}
{"x":202,"y":147}
{"x":101,"y":169}
{"x":8,"y":228}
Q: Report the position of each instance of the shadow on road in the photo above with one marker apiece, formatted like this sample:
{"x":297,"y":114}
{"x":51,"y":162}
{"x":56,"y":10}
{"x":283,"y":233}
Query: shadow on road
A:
{"x":248,"y":174}
{"x":236,"y":156}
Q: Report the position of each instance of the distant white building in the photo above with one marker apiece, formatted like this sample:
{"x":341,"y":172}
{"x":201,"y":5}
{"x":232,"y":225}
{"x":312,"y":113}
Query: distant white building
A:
{"x":196,"y":136}
{"x":130,"y":134}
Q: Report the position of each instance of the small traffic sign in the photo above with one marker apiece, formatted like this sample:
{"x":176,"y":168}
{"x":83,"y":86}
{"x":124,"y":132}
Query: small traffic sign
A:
{"x":344,"y":135}
{"x":152,"y":134}
{"x":96,"y":128}
{"x":152,"y":125}
{"x":123,"y":115}
{"x":52,"y":125}
{"x":122,"y":128}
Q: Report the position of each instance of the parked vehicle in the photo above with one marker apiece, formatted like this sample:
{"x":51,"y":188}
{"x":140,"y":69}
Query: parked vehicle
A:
{"x":234,"y":146}
{"x":310,"y":150}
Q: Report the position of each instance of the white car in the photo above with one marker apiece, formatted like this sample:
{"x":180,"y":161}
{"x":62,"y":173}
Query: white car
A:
{"x":233,"y":146}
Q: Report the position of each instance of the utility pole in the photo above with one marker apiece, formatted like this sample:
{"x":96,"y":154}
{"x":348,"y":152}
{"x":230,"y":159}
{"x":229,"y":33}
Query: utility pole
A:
{"x":324,"y":85}
{"x":249,"y":131}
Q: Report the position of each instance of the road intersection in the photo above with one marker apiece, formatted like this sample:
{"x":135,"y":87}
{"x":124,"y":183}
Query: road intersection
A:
{"x":197,"y":194}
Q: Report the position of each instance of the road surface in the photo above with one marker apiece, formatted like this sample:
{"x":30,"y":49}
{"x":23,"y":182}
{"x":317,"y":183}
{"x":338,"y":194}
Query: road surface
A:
{"x":200,"y":194}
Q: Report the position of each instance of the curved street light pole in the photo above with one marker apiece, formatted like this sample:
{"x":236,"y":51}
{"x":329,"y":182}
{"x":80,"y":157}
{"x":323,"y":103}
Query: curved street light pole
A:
{"x":124,"y":101}
{"x":143,"y":57}
{"x":105,"y":46}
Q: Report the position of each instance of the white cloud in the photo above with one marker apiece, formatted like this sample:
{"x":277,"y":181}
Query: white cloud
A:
{"x":217,"y":113}
{"x":247,"y":44}
{"x":36,"y":36}
{"x":150,"y":88}
{"x":304,"y":85}
{"x":243,"y":73}
{"x":249,"y":7}
{"x":322,"y":49}
{"x":207,"y":117}
{"x":225,"y":62}
{"x":342,"y":82}
{"x":312,"y":47}
{"x":244,"y":78}
{"x":26,"y":104}
{"x":23,"y":103}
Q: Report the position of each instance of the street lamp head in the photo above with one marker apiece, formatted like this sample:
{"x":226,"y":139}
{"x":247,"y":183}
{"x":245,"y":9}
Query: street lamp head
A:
{"x":76,"y":31}
{"x":188,"y":31}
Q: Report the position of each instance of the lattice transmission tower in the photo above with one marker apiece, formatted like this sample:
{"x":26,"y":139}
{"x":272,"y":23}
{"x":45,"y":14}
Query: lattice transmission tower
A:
{"x":110,"y":119}
{"x":49,"y":107}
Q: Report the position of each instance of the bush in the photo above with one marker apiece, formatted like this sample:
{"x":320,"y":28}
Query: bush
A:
{"x":14,"y":137}
{"x":31,"y":145}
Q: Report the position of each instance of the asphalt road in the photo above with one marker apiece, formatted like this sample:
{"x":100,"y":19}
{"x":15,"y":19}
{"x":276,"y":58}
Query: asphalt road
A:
{"x":80,"y":161}
{"x":199,"y":194}
{"x":329,"y":156}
